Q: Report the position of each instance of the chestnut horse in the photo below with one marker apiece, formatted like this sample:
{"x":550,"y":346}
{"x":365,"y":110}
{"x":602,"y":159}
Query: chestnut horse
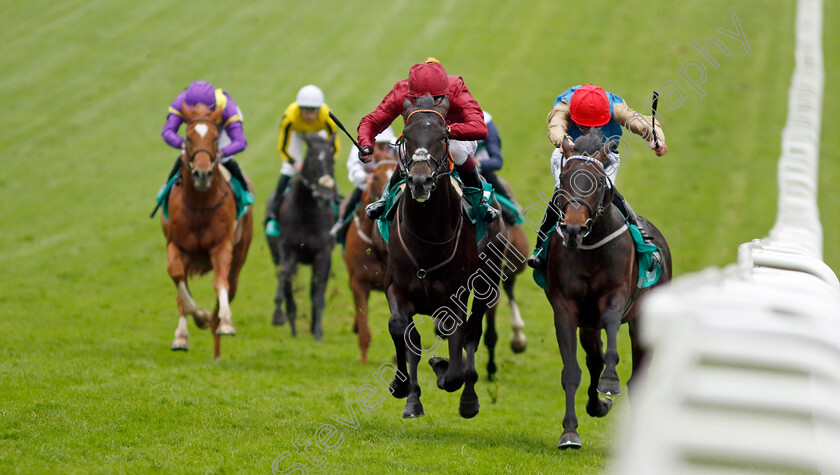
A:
{"x":364,"y":266}
{"x":593,"y":280}
{"x":202,"y":232}
{"x":433,"y":264}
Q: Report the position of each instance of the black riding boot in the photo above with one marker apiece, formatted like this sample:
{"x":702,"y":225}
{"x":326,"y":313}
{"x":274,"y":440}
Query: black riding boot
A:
{"x":272,"y":208}
{"x":473,"y":180}
{"x":549,"y":221}
{"x":340,"y":226}
{"x":175,"y":169}
{"x":629,"y":214}
{"x":375,"y":209}
{"x":507,"y":214}
{"x":235,"y":172}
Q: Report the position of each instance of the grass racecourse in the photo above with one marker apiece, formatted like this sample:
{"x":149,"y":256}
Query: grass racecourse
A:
{"x":87,"y":310}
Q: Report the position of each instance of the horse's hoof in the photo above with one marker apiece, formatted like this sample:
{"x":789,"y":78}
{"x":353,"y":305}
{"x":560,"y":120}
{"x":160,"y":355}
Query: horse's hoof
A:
{"x":399,"y":389}
{"x":518,"y":345}
{"x":180,"y":344}
{"x":468,"y":408}
{"x":439,"y":366}
{"x":609,"y":387}
{"x":413,"y":409}
{"x":599,"y":407}
{"x":491,"y":370}
{"x":278,"y":319}
{"x":569,"y":440}
{"x":202,"y":318}
{"x":225,"y":329}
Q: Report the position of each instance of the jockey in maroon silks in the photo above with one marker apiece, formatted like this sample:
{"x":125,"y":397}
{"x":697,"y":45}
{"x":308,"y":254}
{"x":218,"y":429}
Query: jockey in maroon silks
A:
{"x":464,"y":119}
{"x":231,"y":134}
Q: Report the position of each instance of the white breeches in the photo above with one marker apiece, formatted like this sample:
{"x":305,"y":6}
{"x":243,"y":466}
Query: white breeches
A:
{"x":558,"y":160}
{"x":461,"y":149}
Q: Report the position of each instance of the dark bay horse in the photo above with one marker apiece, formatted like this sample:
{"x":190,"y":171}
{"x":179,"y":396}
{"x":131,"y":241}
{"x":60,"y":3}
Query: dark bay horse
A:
{"x":305,"y":218}
{"x":365,"y":267}
{"x":202,"y":232}
{"x":592,"y":280}
{"x":433,"y":264}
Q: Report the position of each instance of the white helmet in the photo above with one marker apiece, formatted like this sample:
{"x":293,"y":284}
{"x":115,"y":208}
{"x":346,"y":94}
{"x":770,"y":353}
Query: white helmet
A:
{"x":310,"y":96}
{"x":386,"y":136}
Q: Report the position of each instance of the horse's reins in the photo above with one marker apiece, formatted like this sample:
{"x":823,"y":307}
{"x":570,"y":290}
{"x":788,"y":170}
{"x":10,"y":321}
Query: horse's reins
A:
{"x":600,"y":207}
{"x":216,"y":161}
{"x":421,"y":272}
{"x":439,"y":163}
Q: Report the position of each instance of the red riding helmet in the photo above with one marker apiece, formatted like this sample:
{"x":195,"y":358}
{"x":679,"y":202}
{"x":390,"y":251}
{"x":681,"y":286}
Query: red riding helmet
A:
{"x":201,"y":91}
{"x":589,"y":106}
{"x":427,"y":78}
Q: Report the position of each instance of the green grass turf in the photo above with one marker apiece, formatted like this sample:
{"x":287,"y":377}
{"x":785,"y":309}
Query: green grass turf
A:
{"x":87,"y":311}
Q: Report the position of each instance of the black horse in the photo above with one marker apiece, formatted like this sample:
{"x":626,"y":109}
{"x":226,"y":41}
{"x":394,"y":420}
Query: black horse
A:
{"x":434,"y":262}
{"x":593,"y":280}
{"x":305,"y":218}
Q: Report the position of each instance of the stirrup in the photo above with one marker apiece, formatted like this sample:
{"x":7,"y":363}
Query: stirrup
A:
{"x":375,"y":209}
{"x":336,"y":229}
{"x":491,"y":214}
{"x":536,"y":261}
{"x":272,"y":228}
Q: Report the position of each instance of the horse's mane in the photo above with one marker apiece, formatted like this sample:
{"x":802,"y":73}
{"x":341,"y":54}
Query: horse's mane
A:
{"x":592,"y":144}
{"x":425,"y":102}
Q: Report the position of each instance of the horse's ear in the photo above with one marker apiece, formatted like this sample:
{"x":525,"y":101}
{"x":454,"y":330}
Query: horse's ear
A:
{"x":443,"y":107}
{"x":216,"y":115}
{"x":407,"y":105}
{"x":186,"y":111}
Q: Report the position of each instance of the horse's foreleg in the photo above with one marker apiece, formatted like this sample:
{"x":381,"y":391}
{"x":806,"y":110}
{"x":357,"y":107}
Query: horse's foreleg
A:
{"x":400,"y":387}
{"x":413,"y":406}
{"x":221,"y":256}
{"x":468,"y":406}
{"x":565,"y":326}
{"x":490,"y":339}
{"x":592,"y":345}
{"x":611,"y":319}
{"x":518,"y":342}
{"x":361,"y":293}
{"x":317,"y":288}
{"x":640,"y":357}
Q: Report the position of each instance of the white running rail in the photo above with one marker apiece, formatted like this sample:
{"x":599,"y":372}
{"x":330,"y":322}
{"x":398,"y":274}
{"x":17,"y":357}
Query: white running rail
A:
{"x":746,"y":369}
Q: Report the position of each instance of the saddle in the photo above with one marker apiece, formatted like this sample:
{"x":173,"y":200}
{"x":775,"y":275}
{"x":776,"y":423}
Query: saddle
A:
{"x":648,"y":255}
{"x":243,"y":197}
{"x":471,"y":205}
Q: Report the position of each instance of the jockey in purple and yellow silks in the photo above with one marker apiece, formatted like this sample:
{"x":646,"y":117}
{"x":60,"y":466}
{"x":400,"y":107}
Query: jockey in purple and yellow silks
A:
{"x":231,"y":135}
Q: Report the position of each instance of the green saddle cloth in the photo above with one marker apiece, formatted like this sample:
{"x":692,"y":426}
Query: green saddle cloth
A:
{"x":471,"y":204}
{"x":649,"y":268}
{"x":512,"y":207}
{"x":242,"y":196}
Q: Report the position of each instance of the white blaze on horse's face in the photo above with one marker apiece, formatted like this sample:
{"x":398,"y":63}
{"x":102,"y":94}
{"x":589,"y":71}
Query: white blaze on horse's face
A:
{"x":201,"y":129}
{"x":421,"y":155}
{"x":326,"y":181}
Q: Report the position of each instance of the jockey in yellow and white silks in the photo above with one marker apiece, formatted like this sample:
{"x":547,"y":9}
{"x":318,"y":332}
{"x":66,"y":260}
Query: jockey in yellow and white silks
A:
{"x":308,"y":114}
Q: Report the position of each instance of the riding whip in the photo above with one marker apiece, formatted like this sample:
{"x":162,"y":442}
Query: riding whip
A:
{"x":653,"y":120}
{"x":341,"y":126}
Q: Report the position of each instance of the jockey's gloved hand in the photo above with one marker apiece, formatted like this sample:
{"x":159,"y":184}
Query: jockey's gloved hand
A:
{"x":366,"y":153}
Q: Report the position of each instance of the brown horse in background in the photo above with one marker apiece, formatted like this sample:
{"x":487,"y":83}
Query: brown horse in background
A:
{"x":514,"y":264}
{"x":593,"y":280}
{"x":202,"y":232}
{"x":365,"y":267}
